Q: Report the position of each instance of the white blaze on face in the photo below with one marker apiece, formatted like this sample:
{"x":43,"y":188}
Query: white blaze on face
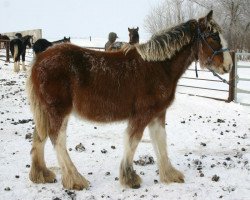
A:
{"x":227,"y":59}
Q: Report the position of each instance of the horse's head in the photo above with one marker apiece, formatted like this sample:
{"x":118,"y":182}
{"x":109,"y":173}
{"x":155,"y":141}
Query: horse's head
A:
{"x":18,"y":35}
{"x":66,"y":39}
{"x":213,"y":52}
{"x":133,"y":35}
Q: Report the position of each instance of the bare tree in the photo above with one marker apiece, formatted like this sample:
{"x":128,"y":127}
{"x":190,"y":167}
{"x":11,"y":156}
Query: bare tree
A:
{"x":232,"y":15}
{"x":169,"y":13}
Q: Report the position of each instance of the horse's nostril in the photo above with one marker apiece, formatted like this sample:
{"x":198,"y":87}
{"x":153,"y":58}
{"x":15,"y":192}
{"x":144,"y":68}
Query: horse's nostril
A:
{"x":226,"y":69}
{"x":229,"y":68}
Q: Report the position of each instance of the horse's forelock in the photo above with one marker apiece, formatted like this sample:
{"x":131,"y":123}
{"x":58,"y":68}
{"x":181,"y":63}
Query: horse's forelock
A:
{"x":214,"y":26}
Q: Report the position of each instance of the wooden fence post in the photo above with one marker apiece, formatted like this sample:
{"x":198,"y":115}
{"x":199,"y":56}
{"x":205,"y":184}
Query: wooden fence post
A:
{"x":231,"y":80}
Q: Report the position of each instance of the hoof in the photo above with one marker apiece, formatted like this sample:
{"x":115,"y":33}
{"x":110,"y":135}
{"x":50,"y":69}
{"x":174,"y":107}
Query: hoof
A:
{"x":172,"y":176}
{"x":42,"y":176}
{"x":130,"y":179}
{"x":75,"y":182}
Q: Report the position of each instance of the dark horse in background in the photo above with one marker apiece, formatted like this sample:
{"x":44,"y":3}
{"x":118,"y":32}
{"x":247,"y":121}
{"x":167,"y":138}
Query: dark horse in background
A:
{"x":17,"y":48}
{"x":4,"y":37}
{"x":133,"y":35}
{"x":42,"y":44}
{"x":133,"y":39}
{"x":136,"y":84}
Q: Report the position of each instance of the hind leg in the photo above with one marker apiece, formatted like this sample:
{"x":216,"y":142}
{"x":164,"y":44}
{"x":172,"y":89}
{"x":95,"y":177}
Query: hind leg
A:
{"x":23,"y":62}
{"x":128,"y":176}
{"x":71,"y":178}
{"x":17,"y":64}
{"x":39,"y":173}
{"x":157,"y":132}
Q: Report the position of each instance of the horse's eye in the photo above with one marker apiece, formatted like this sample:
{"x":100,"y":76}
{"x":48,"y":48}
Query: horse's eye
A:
{"x":215,"y":36}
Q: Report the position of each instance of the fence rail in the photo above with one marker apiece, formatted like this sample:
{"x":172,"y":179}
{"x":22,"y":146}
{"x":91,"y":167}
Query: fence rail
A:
{"x":197,"y":87}
{"x":237,"y":90}
{"x":230,"y":90}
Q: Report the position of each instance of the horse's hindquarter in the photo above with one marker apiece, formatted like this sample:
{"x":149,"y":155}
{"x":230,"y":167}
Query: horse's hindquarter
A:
{"x":18,"y":43}
{"x":93,"y":84}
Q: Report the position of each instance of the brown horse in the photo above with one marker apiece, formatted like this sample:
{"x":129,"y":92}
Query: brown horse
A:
{"x":5,"y":41}
{"x":136,"y":84}
{"x":133,"y":35}
{"x":133,"y":39}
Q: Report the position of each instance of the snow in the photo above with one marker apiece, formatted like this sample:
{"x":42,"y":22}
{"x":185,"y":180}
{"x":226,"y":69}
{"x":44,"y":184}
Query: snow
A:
{"x":205,"y":138}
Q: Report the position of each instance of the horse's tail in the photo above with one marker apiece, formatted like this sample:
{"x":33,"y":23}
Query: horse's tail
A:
{"x":39,"y":115}
{"x":15,"y":52}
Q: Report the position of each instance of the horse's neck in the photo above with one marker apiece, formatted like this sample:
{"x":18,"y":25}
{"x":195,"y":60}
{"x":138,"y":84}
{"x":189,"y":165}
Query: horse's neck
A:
{"x":58,"y":41}
{"x":133,"y":41}
{"x":24,"y":40}
{"x":182,"y":60}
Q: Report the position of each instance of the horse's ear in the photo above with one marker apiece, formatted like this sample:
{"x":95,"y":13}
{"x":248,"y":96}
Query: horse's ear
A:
{"x":129,"y":29}
{"x":137,"y":29}
{"x":203,"y":22}
{"x":209,"y":16}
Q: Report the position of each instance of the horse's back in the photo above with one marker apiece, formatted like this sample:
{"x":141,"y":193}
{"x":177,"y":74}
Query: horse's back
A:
{"x":82,"y":63}
{"x":92,"y":83}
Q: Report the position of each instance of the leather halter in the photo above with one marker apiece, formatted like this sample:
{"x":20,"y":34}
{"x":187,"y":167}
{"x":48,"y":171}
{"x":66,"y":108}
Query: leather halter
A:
{"x":201,"y":36}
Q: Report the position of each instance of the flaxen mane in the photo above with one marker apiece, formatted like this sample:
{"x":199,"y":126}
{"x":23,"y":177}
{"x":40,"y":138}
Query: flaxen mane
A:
{"x":166,"y":43}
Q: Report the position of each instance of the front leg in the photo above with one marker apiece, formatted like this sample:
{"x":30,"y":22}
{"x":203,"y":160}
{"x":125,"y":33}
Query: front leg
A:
{"x":128,"y":176}
{"x":167,"y":172}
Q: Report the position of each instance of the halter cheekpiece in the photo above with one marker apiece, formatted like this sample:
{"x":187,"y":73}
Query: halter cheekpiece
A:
{"x":201,"y":36}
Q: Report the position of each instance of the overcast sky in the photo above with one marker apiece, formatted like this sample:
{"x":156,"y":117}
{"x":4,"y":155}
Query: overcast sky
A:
{"x":75,"y":18}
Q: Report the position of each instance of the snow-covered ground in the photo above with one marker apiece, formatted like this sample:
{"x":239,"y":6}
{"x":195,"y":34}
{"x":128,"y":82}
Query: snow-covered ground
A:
{"x":209,"y":141}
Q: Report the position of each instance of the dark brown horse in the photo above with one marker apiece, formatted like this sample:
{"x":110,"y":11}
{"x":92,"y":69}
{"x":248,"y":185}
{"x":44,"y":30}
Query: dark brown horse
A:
{"x":42,"y":44}
{"x":136,"y":84}
{"x":133,"y":39}
{"x":5,"y":40}
{"x":133,"y":35}
{"x":18,"y":48}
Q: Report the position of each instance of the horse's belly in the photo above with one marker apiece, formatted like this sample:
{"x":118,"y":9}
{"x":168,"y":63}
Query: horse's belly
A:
{"x":103,"y":110}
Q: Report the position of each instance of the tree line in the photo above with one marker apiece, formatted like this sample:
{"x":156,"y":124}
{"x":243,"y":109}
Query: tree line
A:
{"x":232,"y":15}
